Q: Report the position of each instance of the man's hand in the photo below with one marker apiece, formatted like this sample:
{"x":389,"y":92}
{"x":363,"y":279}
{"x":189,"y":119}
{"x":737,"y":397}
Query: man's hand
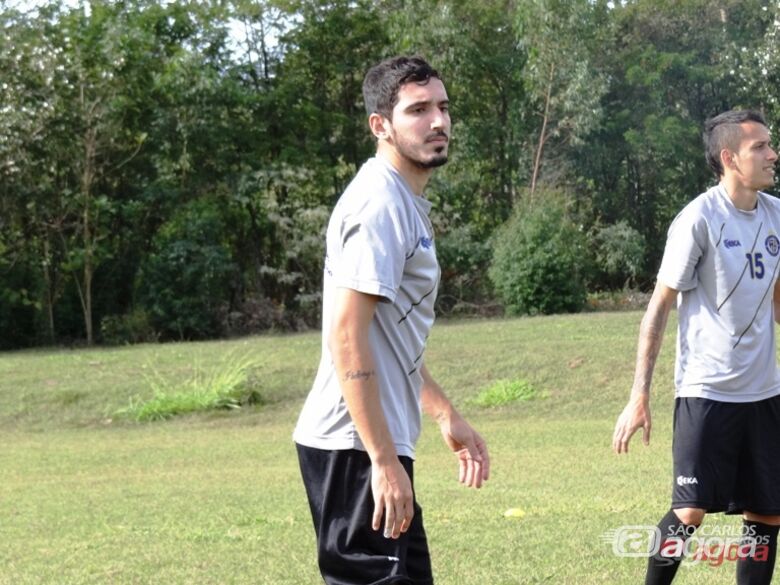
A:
{"x":393,"y":497}
{"x":470,"y":447}
{"x":635,"y":416}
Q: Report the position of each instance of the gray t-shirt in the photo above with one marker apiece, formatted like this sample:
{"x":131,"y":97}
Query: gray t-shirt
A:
{"x":724,"y":261}
{"x":379,"y":242}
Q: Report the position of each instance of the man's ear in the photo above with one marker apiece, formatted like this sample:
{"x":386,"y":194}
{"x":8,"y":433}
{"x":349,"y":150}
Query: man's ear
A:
{"x":727,"y":159}
{"x":379,"y":126}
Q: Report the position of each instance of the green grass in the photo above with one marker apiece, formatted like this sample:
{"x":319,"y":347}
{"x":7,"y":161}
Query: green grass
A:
{"x":503,"y":392}
{"x":225,"y":385}
{"x":215,"y":497}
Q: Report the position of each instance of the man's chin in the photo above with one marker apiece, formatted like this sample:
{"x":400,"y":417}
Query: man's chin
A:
{"x":434,"y":162}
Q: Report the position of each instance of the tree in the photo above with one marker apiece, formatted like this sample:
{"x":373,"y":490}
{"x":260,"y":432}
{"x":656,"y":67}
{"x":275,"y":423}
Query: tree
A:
{"x":559,"y":74}
{"x":665,"y":60}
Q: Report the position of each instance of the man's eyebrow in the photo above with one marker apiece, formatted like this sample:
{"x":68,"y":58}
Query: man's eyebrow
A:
{"x":426,"y":103}
{"x":418,"y":104}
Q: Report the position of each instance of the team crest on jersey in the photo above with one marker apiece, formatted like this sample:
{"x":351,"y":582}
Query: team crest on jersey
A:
{"x":772,"y":245}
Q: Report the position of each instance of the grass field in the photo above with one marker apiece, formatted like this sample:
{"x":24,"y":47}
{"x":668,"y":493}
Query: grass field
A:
{"x":87,"y":496}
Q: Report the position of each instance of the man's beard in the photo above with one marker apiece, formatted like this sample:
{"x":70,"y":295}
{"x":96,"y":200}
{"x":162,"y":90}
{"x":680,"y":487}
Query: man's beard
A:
{"x":439,"y":159}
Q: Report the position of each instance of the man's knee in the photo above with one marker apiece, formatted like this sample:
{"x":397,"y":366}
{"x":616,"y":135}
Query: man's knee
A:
{"x":691,"y":516}
{"x":771,"y":520}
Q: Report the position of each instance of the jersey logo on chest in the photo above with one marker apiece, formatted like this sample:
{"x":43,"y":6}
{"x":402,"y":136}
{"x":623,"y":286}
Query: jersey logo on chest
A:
{"x":772,"y":244}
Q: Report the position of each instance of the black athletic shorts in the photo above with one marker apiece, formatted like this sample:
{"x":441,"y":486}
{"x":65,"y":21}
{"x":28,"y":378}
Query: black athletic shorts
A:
{"x":727,"y":455}
{"x":349,"y":551}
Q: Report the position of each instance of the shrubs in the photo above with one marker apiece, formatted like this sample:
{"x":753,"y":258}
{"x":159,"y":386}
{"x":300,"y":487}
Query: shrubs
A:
{"x":540,"y":260}
{"x":134,"y":327}
{"x":464,"y":256}
{"x":189,"y":274}
{"x":620,"y":254}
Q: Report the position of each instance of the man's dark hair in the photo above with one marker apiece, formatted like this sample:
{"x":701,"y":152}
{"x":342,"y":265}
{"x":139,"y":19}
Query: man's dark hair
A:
{"x":723,"y":131}
{"x":382,"y":82}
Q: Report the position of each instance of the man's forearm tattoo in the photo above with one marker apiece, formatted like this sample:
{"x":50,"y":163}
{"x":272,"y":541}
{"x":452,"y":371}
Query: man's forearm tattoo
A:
{"x":652,"y":331}
{"x":358,"y":375}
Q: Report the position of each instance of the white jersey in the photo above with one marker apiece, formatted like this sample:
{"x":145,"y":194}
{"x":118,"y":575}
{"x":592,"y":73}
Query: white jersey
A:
{"x":379,"y":242}
{"x":724,"y":261}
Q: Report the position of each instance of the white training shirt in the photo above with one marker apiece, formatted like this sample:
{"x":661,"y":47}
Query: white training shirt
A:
{"x":724,"y":261}
{"x":380,"y":242}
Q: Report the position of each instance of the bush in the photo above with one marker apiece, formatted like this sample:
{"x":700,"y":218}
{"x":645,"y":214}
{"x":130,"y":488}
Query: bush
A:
{"x":464,"y":257}
{"x":254,"y":313}
{"x":620,"y":254}
{"x":133,"y":327}
{"x":188,"y":277}
{"x":540,"y":260}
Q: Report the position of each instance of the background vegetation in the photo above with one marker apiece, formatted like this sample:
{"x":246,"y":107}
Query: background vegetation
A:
{"x":167,"y":168}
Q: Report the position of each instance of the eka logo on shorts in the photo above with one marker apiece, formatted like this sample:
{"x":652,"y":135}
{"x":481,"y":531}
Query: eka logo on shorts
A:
{"x":682,"y":480}
{"x":772,"y":244}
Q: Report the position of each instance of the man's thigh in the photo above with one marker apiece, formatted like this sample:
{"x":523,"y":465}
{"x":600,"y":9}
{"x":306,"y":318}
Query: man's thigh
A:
{"x":759,"y":469}
{"x":338,"y":485}
{"x":708,"y":441}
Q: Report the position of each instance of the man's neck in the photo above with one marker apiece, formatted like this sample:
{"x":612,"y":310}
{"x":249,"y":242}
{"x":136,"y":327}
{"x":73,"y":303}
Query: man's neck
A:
{"x":414,"y":175}
{"x":741,"y":196}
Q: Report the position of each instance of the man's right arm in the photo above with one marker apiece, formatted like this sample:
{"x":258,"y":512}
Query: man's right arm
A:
{"x":354,"y":364}
{"x":636,"y":414}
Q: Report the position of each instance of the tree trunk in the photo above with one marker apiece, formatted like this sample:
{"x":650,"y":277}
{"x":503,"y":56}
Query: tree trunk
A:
{"x":87,"y":180}
{"x":49,"y":281}
{"x":542,"y":133}
{"x":86,"y":186}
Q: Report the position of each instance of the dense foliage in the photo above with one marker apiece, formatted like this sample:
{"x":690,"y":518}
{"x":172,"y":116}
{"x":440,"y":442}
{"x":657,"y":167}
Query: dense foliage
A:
{"x":166,"y":168}
{"x":538,"y":261}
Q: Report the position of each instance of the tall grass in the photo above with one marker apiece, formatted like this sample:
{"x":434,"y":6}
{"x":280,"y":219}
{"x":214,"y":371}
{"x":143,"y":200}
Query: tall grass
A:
{"x":228,"y":384}
{"x":503,"y":392}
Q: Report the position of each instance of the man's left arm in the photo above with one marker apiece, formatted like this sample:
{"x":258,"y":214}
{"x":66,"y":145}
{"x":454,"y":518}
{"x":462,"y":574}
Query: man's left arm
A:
{"x":776,"y":301}
{"x":468,"y":445}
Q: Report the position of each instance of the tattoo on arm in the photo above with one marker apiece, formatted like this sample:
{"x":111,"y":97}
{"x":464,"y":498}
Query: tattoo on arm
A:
{"x":652,"y":330}
{"x":358,"y":375}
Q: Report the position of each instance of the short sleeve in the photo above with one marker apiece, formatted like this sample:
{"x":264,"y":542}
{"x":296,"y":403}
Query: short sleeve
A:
{"x":372,"y":251}
{"x":685,"y":245}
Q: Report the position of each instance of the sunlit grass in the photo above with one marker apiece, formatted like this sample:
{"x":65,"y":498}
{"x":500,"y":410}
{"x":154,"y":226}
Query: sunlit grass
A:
{"x":503,"y":392}
{"x":225,"y":385}
{"x":216,"y":498}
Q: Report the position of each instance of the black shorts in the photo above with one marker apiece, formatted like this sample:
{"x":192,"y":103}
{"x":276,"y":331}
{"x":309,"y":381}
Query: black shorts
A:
{"x":727,"y":455}
{"x":349,"y":550}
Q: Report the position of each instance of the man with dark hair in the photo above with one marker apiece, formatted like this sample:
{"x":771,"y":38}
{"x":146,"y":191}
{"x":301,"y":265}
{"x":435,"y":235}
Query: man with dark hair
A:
{"x":721,"y":267}
{"x":358,"y":428}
